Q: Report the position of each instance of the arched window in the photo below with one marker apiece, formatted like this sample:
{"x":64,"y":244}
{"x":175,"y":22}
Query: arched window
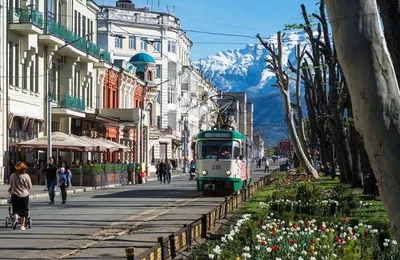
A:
{"x":150,"y":110}
{"x":149,"y":75}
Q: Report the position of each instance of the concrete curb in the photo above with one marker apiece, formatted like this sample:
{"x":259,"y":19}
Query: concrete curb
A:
{"x":80,"y":190}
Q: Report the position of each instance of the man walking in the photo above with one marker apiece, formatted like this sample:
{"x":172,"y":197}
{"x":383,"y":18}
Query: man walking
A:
{"x":266,"y":165}
{"x":51,"y":178}
{"x":163,"y":171}
{"x":169,"y":170}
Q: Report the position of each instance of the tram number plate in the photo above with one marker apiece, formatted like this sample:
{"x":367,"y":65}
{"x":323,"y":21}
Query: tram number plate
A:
{"x":216,"y":167}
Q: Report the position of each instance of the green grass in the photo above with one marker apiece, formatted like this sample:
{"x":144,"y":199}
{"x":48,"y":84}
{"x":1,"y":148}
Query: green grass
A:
{"x":375,"y":212}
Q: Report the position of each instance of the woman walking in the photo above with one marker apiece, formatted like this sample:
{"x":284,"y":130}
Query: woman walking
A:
{"x":63,"y":183}
{"x":66,"y":166}
{"x":20,"y":184}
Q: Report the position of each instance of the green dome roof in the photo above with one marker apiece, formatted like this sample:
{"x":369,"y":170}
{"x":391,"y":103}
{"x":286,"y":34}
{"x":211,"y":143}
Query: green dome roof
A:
{"x":141,"y":57}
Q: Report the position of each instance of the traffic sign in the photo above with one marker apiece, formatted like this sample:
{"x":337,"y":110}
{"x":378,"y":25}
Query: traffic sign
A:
{"x":285,"y":146}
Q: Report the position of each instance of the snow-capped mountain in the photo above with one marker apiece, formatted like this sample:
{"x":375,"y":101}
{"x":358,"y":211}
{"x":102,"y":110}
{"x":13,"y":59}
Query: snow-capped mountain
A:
{"x":245,"y":70}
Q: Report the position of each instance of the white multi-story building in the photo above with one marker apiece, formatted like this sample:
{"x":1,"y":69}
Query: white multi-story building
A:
{"x":258,"y":147}
{"x":197,"y":107}
{"x":3,"y":86}
{"x":59,"y":37}
{"x":125,"y":31}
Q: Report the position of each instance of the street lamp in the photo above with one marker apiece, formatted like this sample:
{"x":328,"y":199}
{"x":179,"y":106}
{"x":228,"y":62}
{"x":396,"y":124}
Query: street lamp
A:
{"x":49,"y":95}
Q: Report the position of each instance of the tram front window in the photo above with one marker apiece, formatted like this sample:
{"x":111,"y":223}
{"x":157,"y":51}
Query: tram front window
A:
{"x":218,"y":149}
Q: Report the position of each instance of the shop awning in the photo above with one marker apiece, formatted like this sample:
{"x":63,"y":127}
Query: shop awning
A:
{"x":60,"y":141}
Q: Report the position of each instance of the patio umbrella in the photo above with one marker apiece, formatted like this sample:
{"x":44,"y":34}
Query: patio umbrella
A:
{"x":60,"y":141}
{"x":99,"y":144}
{"x":119,"y":147}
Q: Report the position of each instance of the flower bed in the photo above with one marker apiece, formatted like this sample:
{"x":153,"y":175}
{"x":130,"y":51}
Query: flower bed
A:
{"x":303,"y":219}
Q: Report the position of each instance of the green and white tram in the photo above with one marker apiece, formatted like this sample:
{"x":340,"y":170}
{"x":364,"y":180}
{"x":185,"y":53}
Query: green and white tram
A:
{"x":223,"y":163}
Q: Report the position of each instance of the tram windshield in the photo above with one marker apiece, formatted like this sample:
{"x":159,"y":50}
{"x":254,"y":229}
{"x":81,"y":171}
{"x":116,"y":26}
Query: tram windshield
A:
{"x":218,"y":149}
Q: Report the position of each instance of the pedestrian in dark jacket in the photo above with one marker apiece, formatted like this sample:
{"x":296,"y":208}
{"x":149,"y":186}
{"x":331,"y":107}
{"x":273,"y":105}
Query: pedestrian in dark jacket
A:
{"x":162,"y":168}
{"x":51,"y":178}
{"x":169,"y":170}
{"x":158,"y":171}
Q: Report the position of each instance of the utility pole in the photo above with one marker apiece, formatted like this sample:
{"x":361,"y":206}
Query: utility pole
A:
{"x":49,"y":96}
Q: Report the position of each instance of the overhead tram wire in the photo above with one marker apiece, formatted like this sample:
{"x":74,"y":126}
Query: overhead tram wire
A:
{"x":207,"y":32}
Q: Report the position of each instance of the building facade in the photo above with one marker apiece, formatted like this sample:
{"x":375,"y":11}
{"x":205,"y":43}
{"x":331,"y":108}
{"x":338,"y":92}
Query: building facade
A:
{"x":197,"y":108}
{"x":125,"y":30}
{"x":52,"y":55}
{"x":122,"y":73}
{"x":3,"y":89}
{"x":258,"y":147}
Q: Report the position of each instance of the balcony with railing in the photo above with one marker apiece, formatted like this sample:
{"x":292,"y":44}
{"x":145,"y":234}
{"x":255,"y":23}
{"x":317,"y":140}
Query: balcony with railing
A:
{"x":169,"y":131}
{"x":25,"y":21}
{"x":70,"y":102}
{"x":58,"y":34}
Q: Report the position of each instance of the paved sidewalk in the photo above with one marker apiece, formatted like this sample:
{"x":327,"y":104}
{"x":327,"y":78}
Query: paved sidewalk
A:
{"x":39,"y":191}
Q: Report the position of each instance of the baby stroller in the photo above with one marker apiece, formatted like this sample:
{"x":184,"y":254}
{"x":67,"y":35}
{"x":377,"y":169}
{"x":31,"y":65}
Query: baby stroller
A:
{"x":10,"y":217}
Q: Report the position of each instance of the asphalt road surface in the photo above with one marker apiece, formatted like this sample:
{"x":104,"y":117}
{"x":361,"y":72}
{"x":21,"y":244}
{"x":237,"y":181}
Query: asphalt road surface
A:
{"x":98,"y":224}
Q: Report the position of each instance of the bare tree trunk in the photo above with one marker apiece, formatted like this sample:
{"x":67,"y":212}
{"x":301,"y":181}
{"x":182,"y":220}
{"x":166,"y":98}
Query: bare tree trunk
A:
{"x":276,"y":65}
{"x":364,"y":160}
{"x":293,"y":135}
{"x":342,"y":149}
{"x":300,"y":126}
{"x":326,"y":147}
{"x":390,"y":14}
{"x":374,"y":92}
{"x":355,"y":153}
{"x":317,"y":80}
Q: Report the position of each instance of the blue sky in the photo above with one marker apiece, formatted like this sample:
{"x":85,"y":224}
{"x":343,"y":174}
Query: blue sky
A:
{"x":230,"y":17}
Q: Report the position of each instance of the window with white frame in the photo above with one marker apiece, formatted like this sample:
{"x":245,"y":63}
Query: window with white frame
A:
{"x":157,"y":46}
{"x":132,"y":42}
{"x":126,"y":101}
{"x":143,"y":44}
{"x":171,"y":94}
{"x":172,"y":46}
{"x":158,"y":98}
{"x":158,"y":72}
{"x":118,"y":42}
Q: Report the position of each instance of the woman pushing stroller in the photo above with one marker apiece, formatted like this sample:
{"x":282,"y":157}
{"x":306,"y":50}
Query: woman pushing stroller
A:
{"x":20,"y":184}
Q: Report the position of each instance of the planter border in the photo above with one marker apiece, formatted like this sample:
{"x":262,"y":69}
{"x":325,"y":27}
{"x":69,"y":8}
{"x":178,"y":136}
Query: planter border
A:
{"x":172,"y":245}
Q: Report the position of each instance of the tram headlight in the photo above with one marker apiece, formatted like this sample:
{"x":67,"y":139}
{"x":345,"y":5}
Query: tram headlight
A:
{"x":204,"y":172}
{"x":228,"y":173}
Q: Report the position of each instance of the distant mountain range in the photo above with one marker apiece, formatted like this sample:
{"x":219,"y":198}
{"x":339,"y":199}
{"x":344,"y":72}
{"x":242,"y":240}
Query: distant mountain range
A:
{"x":245,"y":70}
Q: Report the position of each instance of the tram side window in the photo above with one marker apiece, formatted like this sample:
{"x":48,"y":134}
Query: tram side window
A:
{"x":236,"y":150}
